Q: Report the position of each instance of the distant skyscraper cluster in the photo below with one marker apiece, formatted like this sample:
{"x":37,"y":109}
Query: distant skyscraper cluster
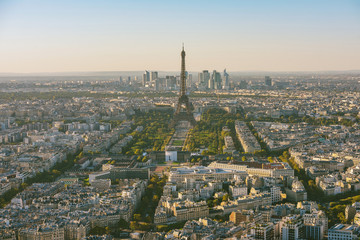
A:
{"x":168,"y":83}
{"x":124,"y":80}
{"x":214,"y":81}
{"x":206,"y":81}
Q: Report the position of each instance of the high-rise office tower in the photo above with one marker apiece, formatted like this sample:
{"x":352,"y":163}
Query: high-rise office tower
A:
{"x":218,"y":81}
{"x":188,"y":79}
{"x":146,"y":77}
{"x":170,"y":82}
{"x":226,"y":80}
{"x":153,"y":76}
{"x":215,"y":80}
{"x":157,"y":84}
{"x":268,"y":81}
{"x":200,"y":78}
{"x":211,"y":82}
{"x":204,"y":77}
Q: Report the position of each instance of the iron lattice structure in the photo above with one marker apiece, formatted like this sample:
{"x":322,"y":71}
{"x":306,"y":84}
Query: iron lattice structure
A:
{"x":184,"y":107}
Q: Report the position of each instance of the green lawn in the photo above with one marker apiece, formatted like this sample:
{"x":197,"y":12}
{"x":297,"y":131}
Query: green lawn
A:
{"x":178,"y":143}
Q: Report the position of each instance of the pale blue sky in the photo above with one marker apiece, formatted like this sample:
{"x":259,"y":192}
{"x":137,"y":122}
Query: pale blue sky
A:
{"x":265,"y":35}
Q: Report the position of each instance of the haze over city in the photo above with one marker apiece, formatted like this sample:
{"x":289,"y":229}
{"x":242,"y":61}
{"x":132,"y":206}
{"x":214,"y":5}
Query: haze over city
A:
{"x":179,"y":120}
{"x":66,"y":36}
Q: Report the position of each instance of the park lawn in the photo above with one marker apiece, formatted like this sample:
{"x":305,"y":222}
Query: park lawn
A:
{"x":178,"y":142}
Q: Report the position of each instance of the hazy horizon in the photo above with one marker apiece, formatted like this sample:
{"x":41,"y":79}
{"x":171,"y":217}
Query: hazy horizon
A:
{"x":130,"y":72}
{"x":241,"y":36}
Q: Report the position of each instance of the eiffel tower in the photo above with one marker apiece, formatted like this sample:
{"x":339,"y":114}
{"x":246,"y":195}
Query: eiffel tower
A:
{"x":184,"y":107}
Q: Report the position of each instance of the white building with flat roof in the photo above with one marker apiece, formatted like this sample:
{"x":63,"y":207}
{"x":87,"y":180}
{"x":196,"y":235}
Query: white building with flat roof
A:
{"x":203,"y":173}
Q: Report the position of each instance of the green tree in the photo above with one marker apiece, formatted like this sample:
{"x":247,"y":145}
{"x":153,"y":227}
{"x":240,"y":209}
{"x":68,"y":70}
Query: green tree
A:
{"x":162,"y":228}
{"x":98,"y":231}
{"x":134,"y":225}
{"x":137,"y":216}
{"x":341,"y":217}
{"x":137,"y":151}
{"x":225,"y":198}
